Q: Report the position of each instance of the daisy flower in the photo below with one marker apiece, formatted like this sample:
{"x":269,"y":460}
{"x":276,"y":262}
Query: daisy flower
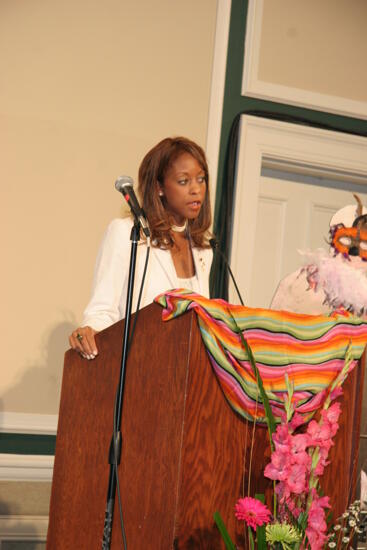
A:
{"x":252,"y":512}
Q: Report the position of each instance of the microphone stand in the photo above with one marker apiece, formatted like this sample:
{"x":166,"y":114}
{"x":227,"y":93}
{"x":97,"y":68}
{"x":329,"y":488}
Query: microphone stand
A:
{"x":116,"y":441}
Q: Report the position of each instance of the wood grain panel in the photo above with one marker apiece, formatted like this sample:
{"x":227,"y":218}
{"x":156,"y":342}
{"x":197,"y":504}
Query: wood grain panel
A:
{"x":212,"y":461}
{"x":152,"y":417}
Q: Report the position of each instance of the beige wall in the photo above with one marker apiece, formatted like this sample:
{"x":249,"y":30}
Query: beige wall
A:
{"x":86,"y":88}
{"x":319,"y":46}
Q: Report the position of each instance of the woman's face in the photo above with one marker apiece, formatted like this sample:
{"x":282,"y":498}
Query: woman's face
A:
{"x":184,"y":188}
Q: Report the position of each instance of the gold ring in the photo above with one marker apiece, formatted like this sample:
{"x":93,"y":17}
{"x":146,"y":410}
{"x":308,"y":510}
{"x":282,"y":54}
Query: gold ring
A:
{"x":79,"y":337}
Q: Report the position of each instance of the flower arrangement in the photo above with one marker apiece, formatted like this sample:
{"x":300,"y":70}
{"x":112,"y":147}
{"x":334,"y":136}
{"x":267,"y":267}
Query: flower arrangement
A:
{"x":299,"y":456}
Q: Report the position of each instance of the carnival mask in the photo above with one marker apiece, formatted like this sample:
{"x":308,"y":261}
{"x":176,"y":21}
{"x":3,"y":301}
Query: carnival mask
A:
{"x":351,"y":241}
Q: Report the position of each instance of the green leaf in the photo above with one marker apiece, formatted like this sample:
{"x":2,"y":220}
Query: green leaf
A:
{"x":339,"y":381}
{"x":302,"y":521}
{"x":265,"y":400}
{"x":260,"y":530}
{"x":288,"y":399}
{"x":260,"y":537}
{"x":251,"y":538}
{"x":223,"y":531}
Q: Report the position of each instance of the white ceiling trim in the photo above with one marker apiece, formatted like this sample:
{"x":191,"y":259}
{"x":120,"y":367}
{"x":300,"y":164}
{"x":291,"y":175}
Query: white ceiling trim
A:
{"x":24,"y":423}
{"x":26,"y":467}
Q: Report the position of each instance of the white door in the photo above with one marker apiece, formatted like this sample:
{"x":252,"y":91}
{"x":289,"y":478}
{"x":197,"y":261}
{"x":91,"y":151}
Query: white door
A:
{"x":290,"y":180}
{"x":292,"y":215}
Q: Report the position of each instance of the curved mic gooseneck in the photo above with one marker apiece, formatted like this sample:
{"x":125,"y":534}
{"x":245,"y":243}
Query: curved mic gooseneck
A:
{"x":214,"y":244}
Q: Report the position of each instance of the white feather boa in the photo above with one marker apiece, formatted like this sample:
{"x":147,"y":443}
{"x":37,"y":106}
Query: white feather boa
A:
{"x":343,"y":281}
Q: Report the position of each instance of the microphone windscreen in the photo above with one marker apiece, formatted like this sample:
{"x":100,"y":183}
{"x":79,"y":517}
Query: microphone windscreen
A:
{"x":122,"y":181}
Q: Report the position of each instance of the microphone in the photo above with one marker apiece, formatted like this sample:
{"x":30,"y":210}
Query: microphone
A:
{"x":215,"y":246}
{"x":124,"y":184}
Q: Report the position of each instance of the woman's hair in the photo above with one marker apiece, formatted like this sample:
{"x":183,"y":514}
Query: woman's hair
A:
{"x":152,"y":172}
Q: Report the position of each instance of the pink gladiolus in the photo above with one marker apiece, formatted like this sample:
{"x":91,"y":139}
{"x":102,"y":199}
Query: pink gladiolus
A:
{"x":282,"y":438}
{"x":319,"y":502}
{"x":293,"y":508}
{"x":316,"y":539}
{"x":323,"y":454}
{"x":252,"y":512}
{"x":316,"y":524}
{"x":320,"y":467}
{"x":282,"y":491}
{"x":331,"y":416}
{"x":303,"y":459}
{"x":296,"y":421}
{"x":277,"y":469}
{"x":296,"y":463}
{"x":296,"y":480}
{"x":334,"y":428}
{"x":336,"y":393}
{"x":320,"y":434}
{"x":299,"y":443}
{"x":333,"y":412}
{"x":316,"y":520}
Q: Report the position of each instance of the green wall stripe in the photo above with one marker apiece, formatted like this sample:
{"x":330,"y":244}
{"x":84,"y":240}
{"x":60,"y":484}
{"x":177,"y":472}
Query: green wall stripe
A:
{"x":27,"y":444}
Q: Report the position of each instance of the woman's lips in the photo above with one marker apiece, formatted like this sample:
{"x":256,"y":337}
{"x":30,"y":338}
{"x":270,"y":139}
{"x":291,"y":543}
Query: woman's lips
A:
{"x":195,"y":205}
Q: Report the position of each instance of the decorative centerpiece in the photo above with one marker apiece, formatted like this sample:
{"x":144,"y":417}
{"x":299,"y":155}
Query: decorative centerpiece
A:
{"x":298,"y":516}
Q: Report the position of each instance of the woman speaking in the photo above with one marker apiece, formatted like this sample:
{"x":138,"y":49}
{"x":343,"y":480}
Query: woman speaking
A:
{"x":174,"y":189}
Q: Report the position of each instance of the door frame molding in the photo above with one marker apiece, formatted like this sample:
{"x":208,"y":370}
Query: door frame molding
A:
{"x":217,"y":91}
{"x":253,"y":86}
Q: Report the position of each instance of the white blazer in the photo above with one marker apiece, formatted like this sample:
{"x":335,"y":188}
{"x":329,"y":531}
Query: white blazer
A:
{"x":107,"y":304}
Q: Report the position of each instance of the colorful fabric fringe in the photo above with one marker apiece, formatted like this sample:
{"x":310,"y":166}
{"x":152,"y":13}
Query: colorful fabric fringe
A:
{"x":309,"y":348}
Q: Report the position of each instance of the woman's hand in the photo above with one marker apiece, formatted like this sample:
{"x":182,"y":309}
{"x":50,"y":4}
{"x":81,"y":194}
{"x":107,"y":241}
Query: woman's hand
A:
{"x":82,"y":340}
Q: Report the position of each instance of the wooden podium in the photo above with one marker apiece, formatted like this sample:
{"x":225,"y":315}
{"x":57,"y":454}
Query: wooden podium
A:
{"x":183,"y":449}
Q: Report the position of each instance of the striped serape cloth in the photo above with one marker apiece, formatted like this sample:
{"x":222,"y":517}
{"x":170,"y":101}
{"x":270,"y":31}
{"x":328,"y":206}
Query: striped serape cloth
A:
{"x":309,"y":348}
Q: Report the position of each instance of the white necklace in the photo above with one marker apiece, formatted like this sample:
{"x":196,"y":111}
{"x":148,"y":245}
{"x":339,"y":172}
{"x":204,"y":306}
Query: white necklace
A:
{"x":179,"y":228}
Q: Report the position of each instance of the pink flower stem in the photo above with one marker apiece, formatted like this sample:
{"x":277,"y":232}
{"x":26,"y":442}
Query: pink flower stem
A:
{"x":252,"y":451}
{"x":313,"y":480}
{"x":245,"y":459}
